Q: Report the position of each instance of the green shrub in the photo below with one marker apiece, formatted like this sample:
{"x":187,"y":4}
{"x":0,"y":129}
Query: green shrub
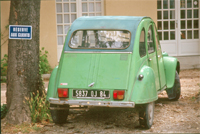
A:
{"x":44,"y":63}
{"x":4,"y":65}
{"x":4,"y":110}
{"x":39,"y":108}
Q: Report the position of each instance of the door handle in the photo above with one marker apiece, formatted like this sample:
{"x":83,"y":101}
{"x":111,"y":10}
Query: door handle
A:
{"x":150,"y":59}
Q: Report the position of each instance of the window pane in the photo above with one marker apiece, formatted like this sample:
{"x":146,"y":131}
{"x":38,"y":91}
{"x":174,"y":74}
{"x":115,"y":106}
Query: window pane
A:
{"x":159,"y":25}
{"x":73,"y":7}
{"x":159,"y":15}
{"x":189,"y":34}
{"x":142,"y":48}
{"x":196,"y":13}
{"x":160,"y":35}
{"x":196,"y":34}
{"x":182,"y":34}
{"x":84,"y":7}
{"x":189,"y":3}
{"x":85,"y":14}
{"x":65,"y":0}
{"x":182,"y":14}
{"x":172,"y":35}
{"x":91,"y":7}
{"x":58,"y":7}
{"x":73,"y":17}
{"x":172,"y":24}
{"x":172,"y":14}
{"x":196,"y":23}
{"x":60,"y":40}
{"x":91,"y":14}
{"x":59,"y":18}
{"x":159,"y":4}
{"x":165,"y":4}
{"x":98,"y":14}
{"x":189,"y":24}
{"x":66,"y":18}
{"x":172,"y":4}
{"x":166,"y":36}
{"x":98,"y":39}
{"x":189,"y":13}
{"x":58,"y":0}
{"x":60,"y":29}
{"x":166,"y":25}
{"x":183,"y":24}
{"x":165,"y":14}
{"x":66,"y":28}
{"x":150,"y":40}
{"x":98,"y":7}
{"x":196,"y":3}
{"x":182,"y":4}
{"x":66,"y":7}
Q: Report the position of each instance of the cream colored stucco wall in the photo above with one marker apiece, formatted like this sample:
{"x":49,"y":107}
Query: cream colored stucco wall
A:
{"x":5,"y":10}
{"x":131,"y":8}
{"x":48,"y":38}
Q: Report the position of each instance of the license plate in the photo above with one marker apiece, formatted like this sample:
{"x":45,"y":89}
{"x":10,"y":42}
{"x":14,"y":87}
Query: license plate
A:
{"x":101,"y":94}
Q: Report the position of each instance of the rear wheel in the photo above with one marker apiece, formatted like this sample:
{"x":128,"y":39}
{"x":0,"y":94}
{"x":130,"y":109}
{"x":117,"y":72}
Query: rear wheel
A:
{"x":59,"y":113}
{"x":174,"y":93}
{"x":146,"y":114}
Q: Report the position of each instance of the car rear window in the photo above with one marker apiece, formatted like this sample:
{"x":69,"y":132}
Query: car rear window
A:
{"x":100,"y":39}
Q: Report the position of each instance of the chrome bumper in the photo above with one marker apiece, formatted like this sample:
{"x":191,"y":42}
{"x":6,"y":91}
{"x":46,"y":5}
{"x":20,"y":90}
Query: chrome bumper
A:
{"x":93,"y":103}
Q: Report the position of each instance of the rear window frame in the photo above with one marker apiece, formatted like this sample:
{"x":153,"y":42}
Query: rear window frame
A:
{"x":100,"y":48}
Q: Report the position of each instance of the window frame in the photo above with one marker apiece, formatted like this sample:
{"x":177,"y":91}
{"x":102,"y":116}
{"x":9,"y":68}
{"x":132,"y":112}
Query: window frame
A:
{"x":142,"y":55}
{"x":101,"y":48}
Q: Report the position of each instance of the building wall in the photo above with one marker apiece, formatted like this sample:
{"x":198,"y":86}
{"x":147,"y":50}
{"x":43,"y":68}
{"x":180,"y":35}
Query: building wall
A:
{"x":5,"y":10}
{"x":131,"y":8}
{"x":48,"y":38}
{"x":189,"y":62}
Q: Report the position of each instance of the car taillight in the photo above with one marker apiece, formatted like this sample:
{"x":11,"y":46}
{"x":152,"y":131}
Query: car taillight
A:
{"x":62,"y":92}
{"x":118,"y":94}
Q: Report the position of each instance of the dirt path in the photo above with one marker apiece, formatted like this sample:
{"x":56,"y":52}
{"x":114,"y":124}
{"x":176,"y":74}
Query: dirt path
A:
{"x":181,"y":116}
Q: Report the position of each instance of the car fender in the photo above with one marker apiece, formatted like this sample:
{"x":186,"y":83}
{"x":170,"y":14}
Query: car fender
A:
{"x":52,"y":82}
{"x":170,"y":64}
{"x":144,"y":91}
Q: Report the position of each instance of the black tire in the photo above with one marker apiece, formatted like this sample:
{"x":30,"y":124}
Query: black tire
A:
{"x":59,"y":113}
{"x":146,"y":115}
{"x":174,"y":93}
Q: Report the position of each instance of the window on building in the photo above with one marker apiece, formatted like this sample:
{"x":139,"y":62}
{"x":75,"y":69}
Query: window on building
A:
{"x":69,"y":10}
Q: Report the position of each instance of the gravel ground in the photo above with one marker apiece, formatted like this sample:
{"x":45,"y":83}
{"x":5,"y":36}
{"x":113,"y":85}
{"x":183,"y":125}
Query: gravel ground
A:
{"x":181,"y":116}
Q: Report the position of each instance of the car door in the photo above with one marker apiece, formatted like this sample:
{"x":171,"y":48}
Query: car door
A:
{"x":152,"y":55}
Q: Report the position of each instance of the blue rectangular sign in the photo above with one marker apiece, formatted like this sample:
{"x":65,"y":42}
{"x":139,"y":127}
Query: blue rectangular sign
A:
{"x":20,"y":32}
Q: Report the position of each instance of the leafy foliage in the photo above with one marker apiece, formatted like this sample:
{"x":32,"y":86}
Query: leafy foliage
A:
{"x":44,"y":63}
{"x":4,"y":65}
{"x":4,"y":110}
{"x":39,"y":108}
